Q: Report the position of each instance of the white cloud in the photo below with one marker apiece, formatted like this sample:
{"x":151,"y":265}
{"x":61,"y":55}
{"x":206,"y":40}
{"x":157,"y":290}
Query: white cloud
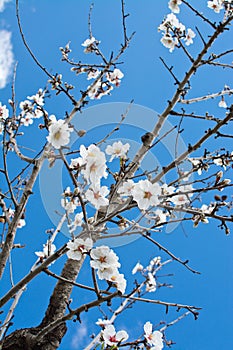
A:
{"x":79,"y":336}
{"x":2,"y":4}
{"x":6,"y":56}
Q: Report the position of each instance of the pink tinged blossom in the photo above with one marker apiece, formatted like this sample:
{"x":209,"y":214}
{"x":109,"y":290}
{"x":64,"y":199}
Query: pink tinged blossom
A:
{"x":38,"y":98}
{"x":169,"y":42}
{"x":94,"y":161}
{"x":96,"y":196}
{"x":78,"y":247}
{"x":105,"y":273}
{"x":151,"y":283}
{"x":189,"y":37}
{"x":48,"y":249}
{"x":27,"y":119}
{"x":117,"y":150}
{"x":68,"y":205}
{"x":103,"y":258}
{"x":119,"y":281}
{"x":89,"y":44}
{"x":182,"y":198}
{"x":146,"y":194}
{"x":171,"y":20}
{"x":127,"y":188}
{"x":59,"y":133}
{"x":154,"y":338}
{"x":4,"y":112}
{"x":21,"y":223}
{"x":78,"y":221}
{"x":115,"y":77}
{"x":161,"y":216}
{"x":25,"y":106}
{"x":174,"y":5}
{"x":111,"y":337}
{"x":103,"y":323}
{"x":166,"y":190}
{"x":137,"y":268}
{"x":93,"y":74}
{"x":222,"y":103}
{"x":196,"y":163}
{"x":216,"y":5}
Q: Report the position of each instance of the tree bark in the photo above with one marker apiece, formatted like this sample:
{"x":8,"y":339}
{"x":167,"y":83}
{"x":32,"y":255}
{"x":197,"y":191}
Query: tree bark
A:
{"x":25,"y":339}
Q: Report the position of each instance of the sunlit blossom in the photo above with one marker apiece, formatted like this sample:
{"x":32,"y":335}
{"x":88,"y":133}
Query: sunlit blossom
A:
{"x":111,"y":337}
{"x":78,"y":247}
{"x":154,"y":338}
{"x":117,"y":150}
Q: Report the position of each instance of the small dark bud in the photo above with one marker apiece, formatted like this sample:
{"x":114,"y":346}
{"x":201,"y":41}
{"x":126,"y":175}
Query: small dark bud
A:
{"x":147,"y":138}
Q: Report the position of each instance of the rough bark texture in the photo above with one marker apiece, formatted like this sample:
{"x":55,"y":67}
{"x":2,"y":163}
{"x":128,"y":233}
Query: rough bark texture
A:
{"x":24,"y":339}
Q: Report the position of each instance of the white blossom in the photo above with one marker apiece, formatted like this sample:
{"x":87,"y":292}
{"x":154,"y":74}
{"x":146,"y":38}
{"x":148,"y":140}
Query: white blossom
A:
{"x":89,"y":43}
{"x":154,"y":338}
{"x":182,"y":198}
{"x":117,"y":149}
{"x":170,"y":20}
{"x":151,"y":283}
{"x":222,"y":103}
{"x":94,"y":162}
{"x":189,"y":37}
{"x":115,"y":77}
{"x":27,"y":119}
{"x":197,"y":164}
{"x":169,"y":42}
{"x":166,"y":190}
{"x":21,"y":223}
{"x":38,"y":98}
{"x":59,"y":133}
{"x":93,"y":74}
{"x":146,"y":194}
{"x":161,"y":216}
{"x":127,"y":188}
{"x":78,"y":247}
{"x":48,"y":249}
{"x":216,"y":5}
{"x":137,"y":267}
{"x":111,"y":337}
{"x":78,"y":220}
{"x":4,"y":112}
{"x":174,"y":5}
{"x":119,"y":280}
{"x":68,"y":205}
{"x":96,"y":195}
{"x":103,"y":257}
{"x":103,"y":323}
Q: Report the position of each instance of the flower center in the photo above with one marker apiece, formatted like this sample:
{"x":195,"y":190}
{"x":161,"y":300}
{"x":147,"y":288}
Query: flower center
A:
{"x":102,"y":259}
{"x":57,"y":135}
{"x":147,"y":195}
{"x":113,"y":339}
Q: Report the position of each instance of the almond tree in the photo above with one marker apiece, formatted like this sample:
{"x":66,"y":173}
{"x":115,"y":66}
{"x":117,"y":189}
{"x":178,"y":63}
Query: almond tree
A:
{"x":106,"y":187}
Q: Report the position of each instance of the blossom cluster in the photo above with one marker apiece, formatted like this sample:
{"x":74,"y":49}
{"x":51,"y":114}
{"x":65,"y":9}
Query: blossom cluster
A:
{"x":104,"y":80}
{"x":149,"y":272}
{"x":218,"y":5}
{"x":104,"y":85}
{"x":103,"y":259}
{"x":4,"y":114}
{"x":31,"y":108}
{"x":111,"y":337}
{"x":174,"y":31}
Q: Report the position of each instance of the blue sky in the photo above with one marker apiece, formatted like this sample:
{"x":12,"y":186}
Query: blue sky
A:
{"x":47,"y":26}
